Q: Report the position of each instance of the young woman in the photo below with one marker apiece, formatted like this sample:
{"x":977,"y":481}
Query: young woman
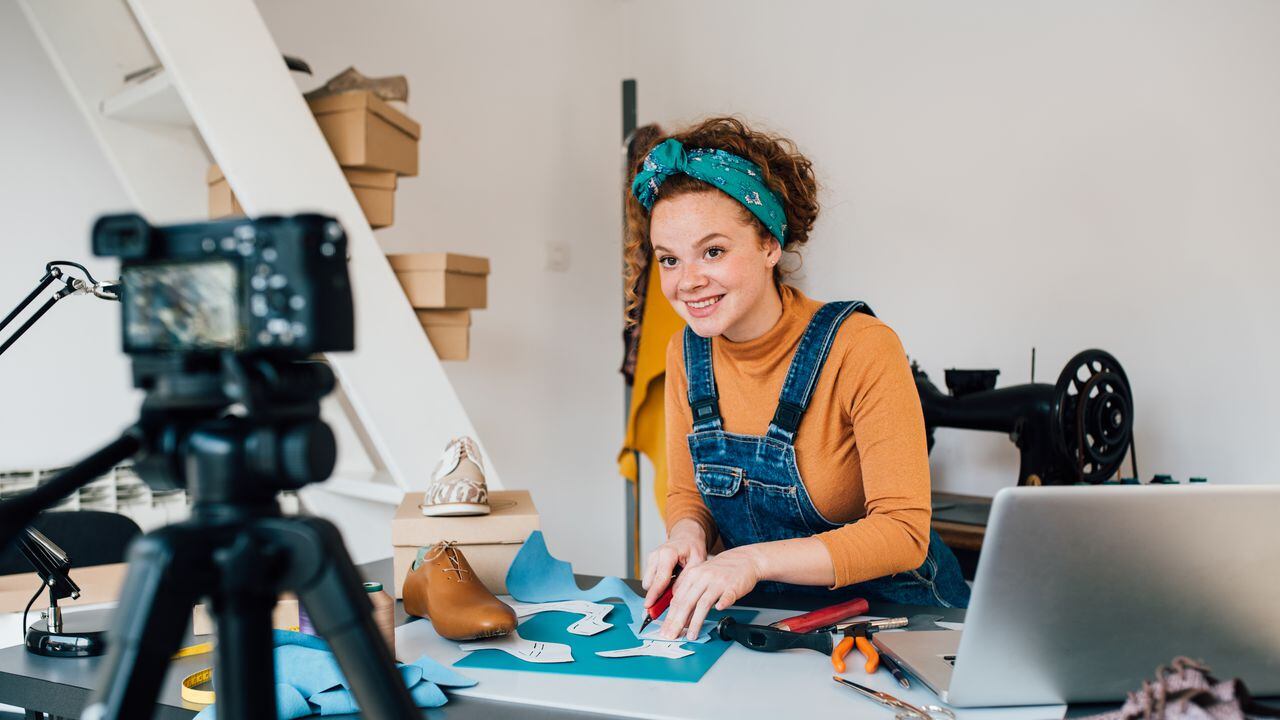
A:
{"x":794,"y":430}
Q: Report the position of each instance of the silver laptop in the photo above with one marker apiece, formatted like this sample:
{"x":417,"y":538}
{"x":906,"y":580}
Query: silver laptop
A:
{"x":1082,"y":592}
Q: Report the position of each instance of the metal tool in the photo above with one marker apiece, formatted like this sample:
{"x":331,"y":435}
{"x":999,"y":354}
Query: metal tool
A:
{"x":924,"y":622}
{"x":859,"y":634}
{"x":906,"y":711}
{"x":770,"y":639}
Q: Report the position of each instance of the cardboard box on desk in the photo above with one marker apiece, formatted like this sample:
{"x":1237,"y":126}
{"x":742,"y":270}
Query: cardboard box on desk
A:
{"x":284,"y":616}
{"x":442,"y":280}
{"x":375,"y":190}
{"x":365,"y":132}
{"x":98,"y":584}
{"x":489,"y":542}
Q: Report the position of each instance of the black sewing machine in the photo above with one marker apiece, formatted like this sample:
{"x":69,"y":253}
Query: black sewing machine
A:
{"x":1076,"y":430}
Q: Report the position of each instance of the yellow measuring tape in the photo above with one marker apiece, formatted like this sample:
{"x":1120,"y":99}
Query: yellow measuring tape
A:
{"x":198,"y":678}
{"x":190,"y":683}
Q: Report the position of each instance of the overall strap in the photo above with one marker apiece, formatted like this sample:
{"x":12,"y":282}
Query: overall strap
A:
{"x":703,"y":400}
{"x":811,"y":355}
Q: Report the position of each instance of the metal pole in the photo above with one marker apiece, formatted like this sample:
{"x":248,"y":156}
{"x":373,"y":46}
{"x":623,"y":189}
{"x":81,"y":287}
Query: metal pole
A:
{"x":631,"y":489}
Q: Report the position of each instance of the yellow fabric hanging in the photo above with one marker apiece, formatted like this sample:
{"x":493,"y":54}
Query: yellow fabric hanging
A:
{"x":646,"y":420}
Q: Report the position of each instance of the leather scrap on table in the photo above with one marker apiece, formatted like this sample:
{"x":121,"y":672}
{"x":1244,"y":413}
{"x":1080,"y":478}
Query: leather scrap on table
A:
{"x":650,"y":648}
{"x":535,"y":576}
{"x":592,"y":622}
{"x":309,"y":681}
{"x":533,"y":651}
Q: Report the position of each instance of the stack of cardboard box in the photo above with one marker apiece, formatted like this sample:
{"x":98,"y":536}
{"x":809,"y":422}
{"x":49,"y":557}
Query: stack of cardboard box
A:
{"x":443,"y":289}
{"x":372,"y":141}
{"x":375,"y":144}
{"x":490,"y":542}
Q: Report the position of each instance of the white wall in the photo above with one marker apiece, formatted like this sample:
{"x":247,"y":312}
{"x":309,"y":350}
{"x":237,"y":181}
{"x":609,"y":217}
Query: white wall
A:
{"x":997,"y":175}
{"x":1002,"y":175}
{"x":520,"y":106}
{"x":64,"y":386}
{"x":520,"y":110}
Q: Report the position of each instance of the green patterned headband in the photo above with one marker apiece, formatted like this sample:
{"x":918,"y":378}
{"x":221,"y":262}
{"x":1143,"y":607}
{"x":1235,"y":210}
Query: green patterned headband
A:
{"x":737,"y":177}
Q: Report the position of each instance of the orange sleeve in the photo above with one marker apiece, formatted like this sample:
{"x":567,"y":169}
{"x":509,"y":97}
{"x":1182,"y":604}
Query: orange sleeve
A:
{"x":683,"y":498}
{"x":877,"y":387}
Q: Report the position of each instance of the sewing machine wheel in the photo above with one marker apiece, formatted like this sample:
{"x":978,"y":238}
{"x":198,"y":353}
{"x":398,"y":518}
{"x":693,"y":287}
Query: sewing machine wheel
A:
{"x":1093,"y":415}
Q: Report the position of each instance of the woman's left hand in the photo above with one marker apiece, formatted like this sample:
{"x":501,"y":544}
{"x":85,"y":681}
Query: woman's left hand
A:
{"x":717,"y":582}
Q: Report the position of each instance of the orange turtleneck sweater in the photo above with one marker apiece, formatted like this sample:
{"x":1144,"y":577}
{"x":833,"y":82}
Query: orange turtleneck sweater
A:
{"x":860,"y":446}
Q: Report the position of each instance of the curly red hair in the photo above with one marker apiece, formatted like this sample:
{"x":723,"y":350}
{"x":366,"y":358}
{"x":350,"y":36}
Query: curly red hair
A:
{"x":787,"y":172}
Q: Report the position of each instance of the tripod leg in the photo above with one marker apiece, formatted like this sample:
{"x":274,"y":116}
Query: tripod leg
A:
{"x":155,"y":605}
{"x":242,"y":603}
{"x":327,"y":583}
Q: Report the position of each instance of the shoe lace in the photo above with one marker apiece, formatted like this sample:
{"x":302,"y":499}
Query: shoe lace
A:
{"x":1153,"y":698}
{"x":449,"y":549}
{"x":467,"y":450}
{"x":458,"y":449}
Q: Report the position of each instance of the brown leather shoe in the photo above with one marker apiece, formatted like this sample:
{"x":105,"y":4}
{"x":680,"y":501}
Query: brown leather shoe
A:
{"x":441,"y":586}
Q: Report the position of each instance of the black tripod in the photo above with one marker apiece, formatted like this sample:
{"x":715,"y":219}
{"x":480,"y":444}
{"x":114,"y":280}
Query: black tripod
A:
{"x":236,"y":549}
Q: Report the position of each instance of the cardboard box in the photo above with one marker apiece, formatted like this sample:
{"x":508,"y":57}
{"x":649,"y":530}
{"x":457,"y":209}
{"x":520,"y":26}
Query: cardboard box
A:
{"x":449,"y":332}
{"x":489,"y":542}
{"x":98,"y":584}
{"x":442,"y":280}
{"x":284,"y":617}
{"x":366,"y":132}
{"x":375,"y":190}
{"x":222,"y":202}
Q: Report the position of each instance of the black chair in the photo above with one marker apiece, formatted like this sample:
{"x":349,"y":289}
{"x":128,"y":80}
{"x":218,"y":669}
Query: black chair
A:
{"x":89,"y":537}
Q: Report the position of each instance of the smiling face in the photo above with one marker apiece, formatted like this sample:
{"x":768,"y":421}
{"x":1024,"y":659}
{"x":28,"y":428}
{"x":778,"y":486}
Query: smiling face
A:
{"x":716,"y":269}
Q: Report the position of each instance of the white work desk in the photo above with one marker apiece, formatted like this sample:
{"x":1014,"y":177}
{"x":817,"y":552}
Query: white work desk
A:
{"x":742,"y":685}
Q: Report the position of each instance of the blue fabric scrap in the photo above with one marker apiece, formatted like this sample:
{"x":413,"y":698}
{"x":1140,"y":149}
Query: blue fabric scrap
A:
{"x":310,"y":681}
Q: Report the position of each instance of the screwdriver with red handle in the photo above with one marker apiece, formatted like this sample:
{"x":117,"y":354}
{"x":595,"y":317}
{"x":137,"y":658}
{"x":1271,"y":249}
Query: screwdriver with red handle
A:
{"x":664,"y":601}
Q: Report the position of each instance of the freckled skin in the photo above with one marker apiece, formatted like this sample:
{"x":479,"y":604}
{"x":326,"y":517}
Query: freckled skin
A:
{"x":704,"y":248}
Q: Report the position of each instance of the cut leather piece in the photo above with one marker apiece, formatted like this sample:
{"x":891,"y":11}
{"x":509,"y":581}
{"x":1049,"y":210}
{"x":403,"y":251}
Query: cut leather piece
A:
{"x":443,"y":588}
{"x":650,"y":648}
{"x":592,"y":622}
{"x":536,"y":576}
{"x":534,"y":651}
{"x":651,"y":633}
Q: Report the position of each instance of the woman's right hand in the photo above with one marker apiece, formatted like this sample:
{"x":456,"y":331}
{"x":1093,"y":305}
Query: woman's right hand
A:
{"x":686,"y":546}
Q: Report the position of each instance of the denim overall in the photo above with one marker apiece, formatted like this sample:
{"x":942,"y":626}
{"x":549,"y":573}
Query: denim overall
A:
{"x":752,"y":486}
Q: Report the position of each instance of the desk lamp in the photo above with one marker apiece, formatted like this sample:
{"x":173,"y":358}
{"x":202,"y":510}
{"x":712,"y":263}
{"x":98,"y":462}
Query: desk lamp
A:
{"x":50,"y":636}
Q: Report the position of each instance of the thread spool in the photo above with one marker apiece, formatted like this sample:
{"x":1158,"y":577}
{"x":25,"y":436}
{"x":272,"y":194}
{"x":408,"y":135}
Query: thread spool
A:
{"x":304,"y":621}
{"x":384,"y":613}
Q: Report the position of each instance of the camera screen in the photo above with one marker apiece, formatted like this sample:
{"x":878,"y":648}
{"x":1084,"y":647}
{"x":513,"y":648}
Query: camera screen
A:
{"x":181,"y":306}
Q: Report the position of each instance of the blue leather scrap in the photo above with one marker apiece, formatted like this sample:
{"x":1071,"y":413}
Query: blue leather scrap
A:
{"x":309,"y":680}
{"x":536,"y":576}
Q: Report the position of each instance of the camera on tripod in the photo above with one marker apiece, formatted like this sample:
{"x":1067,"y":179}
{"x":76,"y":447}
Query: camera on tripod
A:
{"x":220,"y":319}
{"x":274,"y":285}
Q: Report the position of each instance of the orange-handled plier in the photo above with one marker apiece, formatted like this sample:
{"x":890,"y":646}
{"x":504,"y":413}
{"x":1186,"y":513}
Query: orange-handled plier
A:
{"x":859,"y":634}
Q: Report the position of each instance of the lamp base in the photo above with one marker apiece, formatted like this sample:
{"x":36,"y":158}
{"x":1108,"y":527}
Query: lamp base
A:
{"x":68,"y":643}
